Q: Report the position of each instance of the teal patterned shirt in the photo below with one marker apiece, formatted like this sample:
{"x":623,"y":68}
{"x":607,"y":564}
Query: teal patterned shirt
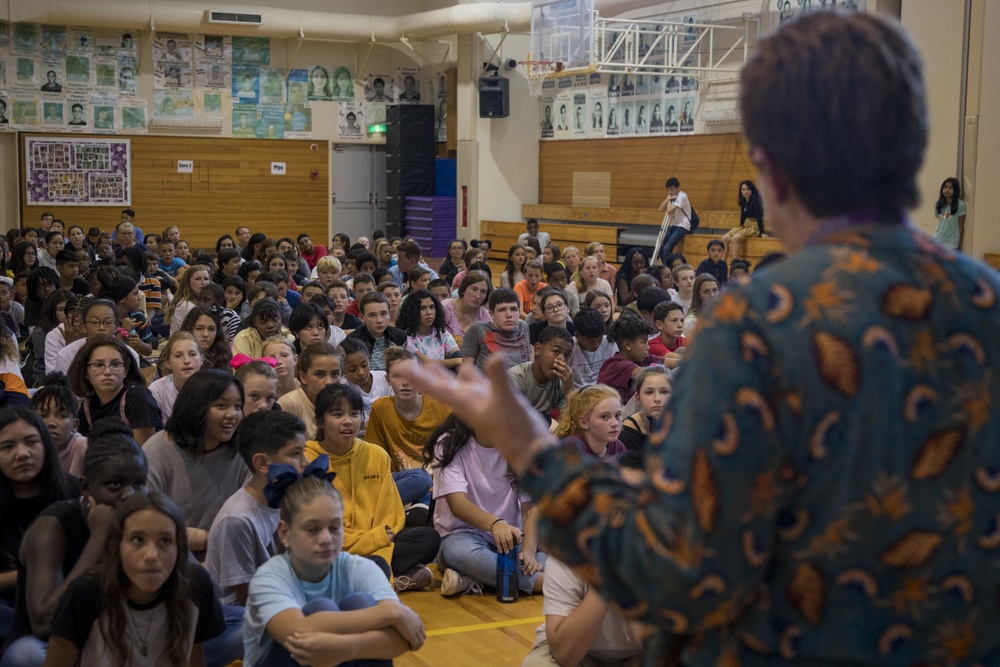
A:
{"x":825,"y":486}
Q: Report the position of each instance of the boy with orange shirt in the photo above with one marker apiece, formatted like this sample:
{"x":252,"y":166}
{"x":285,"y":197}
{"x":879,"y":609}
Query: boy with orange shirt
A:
{"x":528,"y":288}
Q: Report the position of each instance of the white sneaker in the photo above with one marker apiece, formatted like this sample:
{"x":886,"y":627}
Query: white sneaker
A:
{"x":454,"y":583}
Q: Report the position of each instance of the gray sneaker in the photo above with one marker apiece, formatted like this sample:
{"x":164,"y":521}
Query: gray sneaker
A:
{"x":454,"y":583}
{"x":416,"y":579}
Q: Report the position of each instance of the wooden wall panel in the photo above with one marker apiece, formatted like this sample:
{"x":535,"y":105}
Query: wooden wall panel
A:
{"x":709,"y":167}
{"x":231,"y":185}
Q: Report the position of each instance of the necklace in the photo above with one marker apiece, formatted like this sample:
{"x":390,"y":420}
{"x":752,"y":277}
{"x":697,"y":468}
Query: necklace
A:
{"x":144,"y":643}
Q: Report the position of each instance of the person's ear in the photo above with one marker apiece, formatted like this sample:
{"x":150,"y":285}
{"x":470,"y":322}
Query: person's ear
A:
{"x":537,"y":347}
{"x":260,"y":462}
{"x":84,"y":486}
{"x":76,"y":424}
{"x":283,"y":529}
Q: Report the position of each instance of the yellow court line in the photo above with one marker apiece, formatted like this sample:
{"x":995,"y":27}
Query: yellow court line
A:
{"x":484,"y":626}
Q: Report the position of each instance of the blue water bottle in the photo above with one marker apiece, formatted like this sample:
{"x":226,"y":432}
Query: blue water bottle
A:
{"x":508,"y":574}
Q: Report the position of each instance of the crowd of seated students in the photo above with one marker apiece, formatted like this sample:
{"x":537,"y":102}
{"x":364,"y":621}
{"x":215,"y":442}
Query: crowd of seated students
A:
{"x":275,"y":441}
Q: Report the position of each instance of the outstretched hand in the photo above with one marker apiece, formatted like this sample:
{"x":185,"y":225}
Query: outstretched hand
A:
{"x":490,"y":405}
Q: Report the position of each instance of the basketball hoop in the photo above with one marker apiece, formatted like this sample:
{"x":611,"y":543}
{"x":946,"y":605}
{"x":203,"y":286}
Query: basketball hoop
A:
{"x":537,"y":71}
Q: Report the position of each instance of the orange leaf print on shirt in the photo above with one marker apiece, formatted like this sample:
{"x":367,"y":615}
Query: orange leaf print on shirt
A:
{"x":937,"y":453}
{"x":912,"y":550}
{"x":907,"y":302}
{"x":826,"y":301}
{"x":565,"y":506}
{"x":704,"y":491}
{"x":807,"y":592}
{"x":850,"y":260}
{"x":729,"y":308}
{"x":838,"y":363}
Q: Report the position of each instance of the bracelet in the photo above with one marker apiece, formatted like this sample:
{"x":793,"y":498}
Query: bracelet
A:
{"x":495,"y":523}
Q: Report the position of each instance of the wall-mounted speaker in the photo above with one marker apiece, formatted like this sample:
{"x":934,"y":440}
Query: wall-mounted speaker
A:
{"x":494,"y":97}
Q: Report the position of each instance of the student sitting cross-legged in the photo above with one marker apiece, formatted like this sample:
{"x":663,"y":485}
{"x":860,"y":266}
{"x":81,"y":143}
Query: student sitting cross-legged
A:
{"x":316,"y":604}
{"x":580,"y":628}
{"x":241,"y":538}
{"x":374,"y":521}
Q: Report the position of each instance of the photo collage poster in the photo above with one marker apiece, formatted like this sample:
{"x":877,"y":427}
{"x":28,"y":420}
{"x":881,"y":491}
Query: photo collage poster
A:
{"x":77,"y":171}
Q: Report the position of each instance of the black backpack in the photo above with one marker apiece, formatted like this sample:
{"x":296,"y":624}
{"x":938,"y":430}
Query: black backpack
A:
{"x":694,"y":219}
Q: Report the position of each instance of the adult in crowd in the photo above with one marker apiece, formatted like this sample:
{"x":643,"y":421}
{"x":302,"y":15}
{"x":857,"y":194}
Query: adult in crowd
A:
{"x":824,"y":463}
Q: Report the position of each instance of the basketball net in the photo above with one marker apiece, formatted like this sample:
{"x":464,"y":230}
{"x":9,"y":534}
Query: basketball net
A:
{"x":537,"y":71}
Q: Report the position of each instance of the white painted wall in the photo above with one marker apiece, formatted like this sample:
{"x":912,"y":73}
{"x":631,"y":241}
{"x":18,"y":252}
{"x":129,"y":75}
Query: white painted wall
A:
{"x":937,"y":28}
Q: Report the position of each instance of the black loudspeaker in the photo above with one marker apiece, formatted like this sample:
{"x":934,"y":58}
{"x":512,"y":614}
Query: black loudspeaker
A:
{"x":494,"y":97}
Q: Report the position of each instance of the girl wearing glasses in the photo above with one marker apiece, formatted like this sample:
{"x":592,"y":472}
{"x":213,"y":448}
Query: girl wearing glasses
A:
{"x":99,"y":319}
{"x":108,"y":377}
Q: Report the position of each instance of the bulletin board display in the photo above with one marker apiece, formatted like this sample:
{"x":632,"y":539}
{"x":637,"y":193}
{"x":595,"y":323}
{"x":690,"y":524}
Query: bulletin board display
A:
{"x":73,"y":171}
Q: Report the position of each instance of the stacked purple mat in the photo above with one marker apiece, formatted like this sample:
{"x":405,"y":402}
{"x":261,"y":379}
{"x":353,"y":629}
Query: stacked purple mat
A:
{"x":431,"y":221}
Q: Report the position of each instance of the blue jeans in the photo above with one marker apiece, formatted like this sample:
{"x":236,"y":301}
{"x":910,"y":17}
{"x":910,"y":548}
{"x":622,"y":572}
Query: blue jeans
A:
{"x":674,"y":236}
{"x":279,"y":656}
{"x":25,"y":652}
{"x":414,"y":486}
{"x":472,"y":555}
{"x":227,"y":647}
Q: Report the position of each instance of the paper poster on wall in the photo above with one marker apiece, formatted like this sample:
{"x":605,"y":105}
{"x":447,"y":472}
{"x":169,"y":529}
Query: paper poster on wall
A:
{"x":343,"y":84}
{"x":4,"y":117}
{"x":297,"y":85}
{"x":271,"y":121}
{"x":172,"y":61}
{"x":656,"y":116}
{"x":642,"y":117}
{"x":77,"y":172}
{"x":272,"y":85}
{"x":670,"y":122}
{"x":642,"y":85}
{"x":378,"y":88}
{"x":173,"y":104}
{"x":24,"y":109}
{"x":627,"y":84}
{"x":211,"y":103}
{"x":613,"y":126}
{"x":547,"y":125}
{"x":406,"y":85}
{"x":4,"y":35}
{"x":79,"y":107}
{"x":251,"y":51}
{"x":351,"y":123}
{"x":245,"y":120}
{"x":78,"y":70}
{"x":246,"y":82}
{"x":106,"y":44}
{"x":128,"y":45}
{"x":319,"y":87}
{"x":212,"y":75}
{"x":53,"y":42}
{"x":25,"y":68}
{"x":54,"y":114}
{"x":441,"y":116}
{"x":598,"y":99}
{"x":561,"y":109}
{"x":104,"y":119}
{"x":3,"y":73}
{"x":55,"y":75}
{"x":686,"y":118}
{"x":212,"y":48}
{"x":106,"y":75}
{"x":579,"y":115}
{"x":24,"y":40}
{"x":133,"y":113}
{"x":626,"y":109}
{"x":614,"y":86}
{"x":298,"y":121}
{"x":128,"y":79}
{"x":80,"y":40}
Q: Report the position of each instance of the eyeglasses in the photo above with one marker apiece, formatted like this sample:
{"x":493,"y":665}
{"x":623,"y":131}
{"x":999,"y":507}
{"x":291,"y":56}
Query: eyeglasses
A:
{"x":100,"y":366}
{"x":97,"y":323}
{"x":554,"y":307}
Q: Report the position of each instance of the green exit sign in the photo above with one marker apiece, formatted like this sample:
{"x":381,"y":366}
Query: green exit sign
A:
{"x":372,"y":129}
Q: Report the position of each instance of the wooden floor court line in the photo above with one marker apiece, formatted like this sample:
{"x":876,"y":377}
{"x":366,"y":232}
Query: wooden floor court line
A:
{"x":484,"y":626}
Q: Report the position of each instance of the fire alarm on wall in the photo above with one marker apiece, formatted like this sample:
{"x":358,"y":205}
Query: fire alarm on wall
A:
{"x":314,"y":174}
{"x":313,"y":147}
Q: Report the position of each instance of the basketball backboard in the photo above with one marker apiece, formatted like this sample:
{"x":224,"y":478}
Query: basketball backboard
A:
{"x":562,"y":31}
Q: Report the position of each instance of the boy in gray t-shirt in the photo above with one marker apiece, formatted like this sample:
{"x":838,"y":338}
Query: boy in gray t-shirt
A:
{"x":242,"y":536}
{"x":507,"y":334}
{"x":547,"y":379}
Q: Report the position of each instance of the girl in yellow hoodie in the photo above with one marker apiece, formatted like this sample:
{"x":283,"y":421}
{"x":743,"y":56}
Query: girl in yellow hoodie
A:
{"x":374,"y":521}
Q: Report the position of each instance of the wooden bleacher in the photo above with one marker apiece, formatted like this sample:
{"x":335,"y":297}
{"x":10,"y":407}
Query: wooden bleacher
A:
{"x":579,"y":225}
